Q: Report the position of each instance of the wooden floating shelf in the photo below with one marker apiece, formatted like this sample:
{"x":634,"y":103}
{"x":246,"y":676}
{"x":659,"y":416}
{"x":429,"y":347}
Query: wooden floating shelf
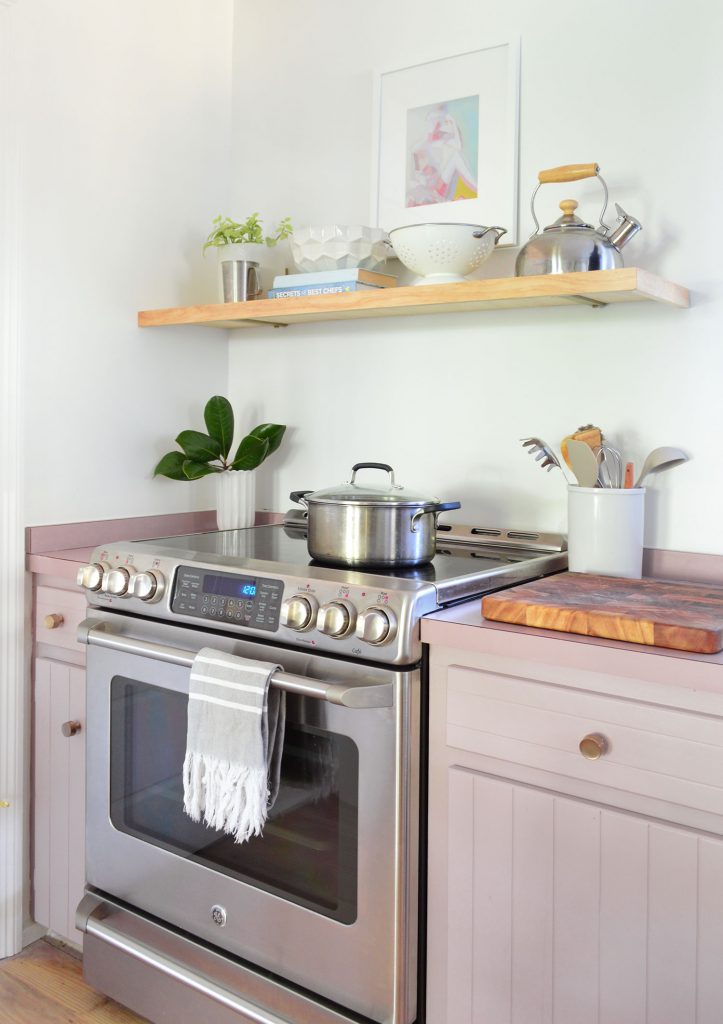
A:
{"x":592,"y":288}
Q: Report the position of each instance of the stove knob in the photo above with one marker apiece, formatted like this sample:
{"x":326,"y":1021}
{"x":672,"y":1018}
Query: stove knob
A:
{"x":90,"y":577}
{"x":117,"y":582}
{"x":299,"y":613}
{"x":377,"y":626}
{"x":148,"y":586}
{"x":336,"y":618}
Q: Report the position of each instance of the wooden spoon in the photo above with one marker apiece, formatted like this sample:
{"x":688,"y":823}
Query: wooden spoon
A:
{"x":583,"y":461}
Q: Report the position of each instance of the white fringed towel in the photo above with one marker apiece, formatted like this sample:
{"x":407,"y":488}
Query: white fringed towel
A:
{"x":235,"y":737}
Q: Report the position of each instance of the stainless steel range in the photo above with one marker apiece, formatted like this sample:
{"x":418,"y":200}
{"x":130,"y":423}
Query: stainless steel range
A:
{"x":320,"y":919}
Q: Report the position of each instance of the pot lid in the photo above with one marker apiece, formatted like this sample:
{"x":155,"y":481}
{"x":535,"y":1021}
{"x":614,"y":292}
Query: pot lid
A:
{"x":569,"y":218}
{"x":382,"y":494}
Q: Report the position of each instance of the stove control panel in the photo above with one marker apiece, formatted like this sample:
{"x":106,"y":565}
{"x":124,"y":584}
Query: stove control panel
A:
{"x":122,"y":581}
{"x":228,"y":597}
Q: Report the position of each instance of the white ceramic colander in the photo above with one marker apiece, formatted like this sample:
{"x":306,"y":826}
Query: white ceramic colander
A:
{"x":441,"y":253}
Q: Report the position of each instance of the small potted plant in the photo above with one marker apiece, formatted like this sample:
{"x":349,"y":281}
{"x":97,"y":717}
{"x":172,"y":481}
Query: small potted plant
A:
{"x":241,"y":248}
{"x":202,"y":454}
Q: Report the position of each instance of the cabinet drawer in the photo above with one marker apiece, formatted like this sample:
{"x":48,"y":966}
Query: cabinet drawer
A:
{"x":57,"y":614}
{"x":670,"y":755}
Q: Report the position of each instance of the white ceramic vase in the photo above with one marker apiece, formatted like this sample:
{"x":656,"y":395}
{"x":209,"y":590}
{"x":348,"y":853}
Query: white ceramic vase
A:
{"x":235,"y":499}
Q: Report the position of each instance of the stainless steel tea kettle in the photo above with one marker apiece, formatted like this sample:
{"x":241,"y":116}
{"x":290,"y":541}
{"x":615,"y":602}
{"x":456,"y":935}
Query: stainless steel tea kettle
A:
{"x":570,"y":244}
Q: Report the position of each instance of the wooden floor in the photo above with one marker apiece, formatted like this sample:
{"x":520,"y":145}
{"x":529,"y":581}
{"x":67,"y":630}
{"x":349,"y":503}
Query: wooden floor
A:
{"x":45,"y":983}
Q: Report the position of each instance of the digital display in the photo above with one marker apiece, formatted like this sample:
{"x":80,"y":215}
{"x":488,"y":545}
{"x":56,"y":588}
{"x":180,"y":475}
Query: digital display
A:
{"x":230,"y":586}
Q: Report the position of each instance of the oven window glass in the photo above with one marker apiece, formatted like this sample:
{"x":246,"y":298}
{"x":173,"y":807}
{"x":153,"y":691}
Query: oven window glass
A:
{"x":308,"y":851}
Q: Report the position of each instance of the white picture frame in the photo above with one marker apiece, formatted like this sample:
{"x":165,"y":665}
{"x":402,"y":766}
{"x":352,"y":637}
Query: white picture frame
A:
{"x":445,"y":141}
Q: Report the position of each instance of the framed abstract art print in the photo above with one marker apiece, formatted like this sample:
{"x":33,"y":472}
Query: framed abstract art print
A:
{"x":445,"y":141}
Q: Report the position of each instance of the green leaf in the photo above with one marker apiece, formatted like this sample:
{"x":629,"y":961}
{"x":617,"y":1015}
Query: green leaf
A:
{"x":272,"y":432}
{"x":218,"y":416}
{"x":199,"y":447}
{"x":251,"y":452}
{"x":171,"y":465}
{"x":195,"y":470}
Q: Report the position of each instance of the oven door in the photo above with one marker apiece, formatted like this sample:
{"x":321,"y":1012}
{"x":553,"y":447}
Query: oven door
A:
{"x":326,"y":897}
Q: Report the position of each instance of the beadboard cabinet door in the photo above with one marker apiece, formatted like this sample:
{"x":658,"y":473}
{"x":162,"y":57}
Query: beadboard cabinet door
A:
{"x":59,"y":795}
{"x":563,"y":911}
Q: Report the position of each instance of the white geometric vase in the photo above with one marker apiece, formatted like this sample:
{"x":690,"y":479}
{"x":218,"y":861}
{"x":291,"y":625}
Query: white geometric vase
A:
{"x":235,"y":499}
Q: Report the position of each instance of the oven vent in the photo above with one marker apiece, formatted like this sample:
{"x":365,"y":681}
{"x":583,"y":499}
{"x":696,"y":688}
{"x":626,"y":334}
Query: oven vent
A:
{"x":485,"y":536}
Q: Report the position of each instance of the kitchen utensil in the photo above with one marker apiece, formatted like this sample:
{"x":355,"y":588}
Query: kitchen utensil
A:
{"x":660,"y":458}
{"x":353,"y":525}
{"x":605,"y":530}
{"x":570,"y":244}
{"x":339,"y":247}
{"x":543,"y":454}
{"x":583,"y":462}
{"x":683,"y":616}
{"x":610,"y":466}
{"x":629,"y":475}
{"x":592,"y":436}
{"x":443,"y":253}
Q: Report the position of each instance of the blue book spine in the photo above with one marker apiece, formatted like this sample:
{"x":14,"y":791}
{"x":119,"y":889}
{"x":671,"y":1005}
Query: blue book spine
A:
{"x":336,"y":288}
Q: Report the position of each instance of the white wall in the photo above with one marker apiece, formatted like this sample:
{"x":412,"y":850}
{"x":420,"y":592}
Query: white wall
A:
{"x":637,"y":87}
{"x":126,"y":113}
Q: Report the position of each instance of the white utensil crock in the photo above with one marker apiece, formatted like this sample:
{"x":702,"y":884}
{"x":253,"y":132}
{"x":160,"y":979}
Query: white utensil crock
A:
{"x":235,"y":499}
{"x":605,"y":530}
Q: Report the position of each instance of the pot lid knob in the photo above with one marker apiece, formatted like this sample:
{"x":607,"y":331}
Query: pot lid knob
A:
{"x":568,"y":206}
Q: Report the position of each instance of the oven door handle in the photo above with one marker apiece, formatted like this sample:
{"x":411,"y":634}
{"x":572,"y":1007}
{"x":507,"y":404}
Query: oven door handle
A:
{"x":348,"y":695}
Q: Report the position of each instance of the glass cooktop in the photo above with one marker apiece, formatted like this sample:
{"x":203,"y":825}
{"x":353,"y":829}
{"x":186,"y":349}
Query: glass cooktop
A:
{"x":286,"y":545}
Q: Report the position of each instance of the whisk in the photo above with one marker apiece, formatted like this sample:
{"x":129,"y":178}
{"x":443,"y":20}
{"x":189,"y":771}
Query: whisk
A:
{"x":610,"y":466}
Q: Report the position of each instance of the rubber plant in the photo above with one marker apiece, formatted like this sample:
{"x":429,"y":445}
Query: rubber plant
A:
{"x":202,"y":454}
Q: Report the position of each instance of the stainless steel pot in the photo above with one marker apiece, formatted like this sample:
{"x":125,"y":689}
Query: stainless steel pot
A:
{"x":389,"y":526}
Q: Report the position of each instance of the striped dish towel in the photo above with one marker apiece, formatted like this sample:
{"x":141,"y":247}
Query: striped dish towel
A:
{"x":235,"y":736}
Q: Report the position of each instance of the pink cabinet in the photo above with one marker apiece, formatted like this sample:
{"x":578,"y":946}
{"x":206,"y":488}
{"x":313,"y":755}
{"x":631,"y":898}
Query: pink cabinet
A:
{"x":562,"y":888}
{"x":58,"y":830}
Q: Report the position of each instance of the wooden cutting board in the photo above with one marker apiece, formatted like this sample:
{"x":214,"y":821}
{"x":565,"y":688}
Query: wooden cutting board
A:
{"x":684,"y":616}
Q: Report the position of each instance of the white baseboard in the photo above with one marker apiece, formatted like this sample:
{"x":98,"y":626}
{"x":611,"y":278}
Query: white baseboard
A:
{"x":33,"y":932}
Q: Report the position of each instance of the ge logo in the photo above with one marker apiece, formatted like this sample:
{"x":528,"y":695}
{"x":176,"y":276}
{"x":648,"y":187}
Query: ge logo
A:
{"x":218,"y":914}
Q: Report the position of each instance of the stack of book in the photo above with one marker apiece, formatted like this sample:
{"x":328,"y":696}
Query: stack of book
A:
{"x":328,"y":282}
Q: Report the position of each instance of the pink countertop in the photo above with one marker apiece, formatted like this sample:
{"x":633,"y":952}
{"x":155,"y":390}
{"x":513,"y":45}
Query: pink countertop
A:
{"x":463,"y":628}
{"x":59,"y":550}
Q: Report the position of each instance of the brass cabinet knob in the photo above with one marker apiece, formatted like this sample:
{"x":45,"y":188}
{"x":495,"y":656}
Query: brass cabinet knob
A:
{"x":593,"y":746}
{"x":4,"y":803}
{"x":70,"y":728}
{"x":53,"y":621}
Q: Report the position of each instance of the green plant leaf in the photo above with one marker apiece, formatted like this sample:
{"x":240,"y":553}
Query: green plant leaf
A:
{"x":272,"y":432}
{"x":195,"y":470}
{"x":199,"y":447}
{"x":251,"y":452}
{"x":171,"y":465}
{"x":218,"y":416}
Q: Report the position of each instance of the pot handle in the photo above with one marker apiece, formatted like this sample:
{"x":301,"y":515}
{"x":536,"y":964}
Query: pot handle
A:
{"x":440,"y":506}
{"x":371,"y":465}
{"x":300,"y":498}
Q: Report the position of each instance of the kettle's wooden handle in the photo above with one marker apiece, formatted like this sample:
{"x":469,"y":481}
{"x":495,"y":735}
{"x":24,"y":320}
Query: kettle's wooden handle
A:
{"x":569,"y":172}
